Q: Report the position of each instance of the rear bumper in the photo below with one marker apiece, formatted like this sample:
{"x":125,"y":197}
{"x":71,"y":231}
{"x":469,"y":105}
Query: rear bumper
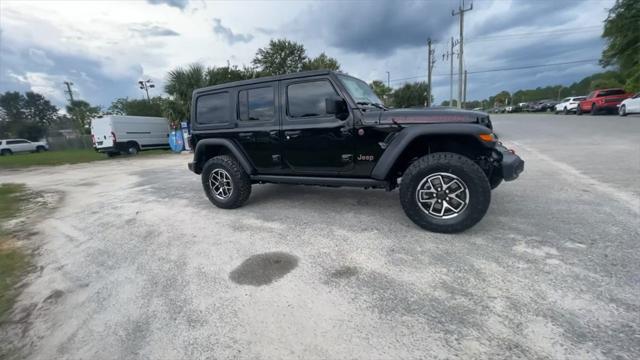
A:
{"x":511,"y":164}
{"x":106,"y":149}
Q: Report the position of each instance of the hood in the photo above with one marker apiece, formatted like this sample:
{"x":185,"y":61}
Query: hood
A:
{"x":431,"y":116}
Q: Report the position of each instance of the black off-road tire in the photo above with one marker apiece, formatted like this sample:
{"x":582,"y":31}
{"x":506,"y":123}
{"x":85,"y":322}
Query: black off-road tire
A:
{"x":240,"y":182}
{"x":5,"y":152}
{"x":40,"y":149}
{"x":462,"y":167}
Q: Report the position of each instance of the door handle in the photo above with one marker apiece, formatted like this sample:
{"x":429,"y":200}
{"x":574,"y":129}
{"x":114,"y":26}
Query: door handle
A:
{"x":246,"y":135}
{"x":292,"y":134}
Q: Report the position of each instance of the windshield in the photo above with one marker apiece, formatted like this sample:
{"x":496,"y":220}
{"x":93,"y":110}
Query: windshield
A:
{"x":359,"y":90}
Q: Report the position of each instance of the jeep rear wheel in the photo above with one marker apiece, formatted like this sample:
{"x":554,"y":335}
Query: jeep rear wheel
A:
{"x":445,"y":192}
{"x":225,"y":182}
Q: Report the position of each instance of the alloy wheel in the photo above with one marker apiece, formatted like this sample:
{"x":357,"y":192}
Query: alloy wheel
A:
{"x":220,"y":184}
{"x":442,"y":195}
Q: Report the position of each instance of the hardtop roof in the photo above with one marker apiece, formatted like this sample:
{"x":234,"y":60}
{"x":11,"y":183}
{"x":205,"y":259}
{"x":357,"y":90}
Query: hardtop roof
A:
{"x":300,"y":74}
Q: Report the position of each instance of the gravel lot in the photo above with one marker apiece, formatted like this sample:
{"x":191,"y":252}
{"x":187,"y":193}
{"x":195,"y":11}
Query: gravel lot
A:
{"x":136,"y":263}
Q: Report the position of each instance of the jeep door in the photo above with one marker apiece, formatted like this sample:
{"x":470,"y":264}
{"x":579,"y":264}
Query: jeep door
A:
{"x":314,"y":142}
{"x":258,"y":126}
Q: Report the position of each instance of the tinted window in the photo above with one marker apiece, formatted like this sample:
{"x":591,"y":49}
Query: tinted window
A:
{"x":308,"y":99}
{"x":256,"y":104}
{"x":611,"y":92}
{"x":14,"y":142}
{"x":213,"y":108}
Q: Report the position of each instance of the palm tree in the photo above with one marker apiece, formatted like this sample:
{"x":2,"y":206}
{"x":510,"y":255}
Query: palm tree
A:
{"x":180,"y":85}
{"x":181,"y":82}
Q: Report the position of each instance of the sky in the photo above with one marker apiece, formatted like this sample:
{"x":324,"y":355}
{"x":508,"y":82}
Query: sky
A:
{"x":105,"y":47}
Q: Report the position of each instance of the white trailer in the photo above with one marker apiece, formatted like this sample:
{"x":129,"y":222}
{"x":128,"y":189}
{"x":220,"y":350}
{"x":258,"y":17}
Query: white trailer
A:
{"x":115,"y":134}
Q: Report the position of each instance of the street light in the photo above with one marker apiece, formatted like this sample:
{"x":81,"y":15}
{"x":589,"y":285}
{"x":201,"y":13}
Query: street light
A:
{"x":146,"y":85}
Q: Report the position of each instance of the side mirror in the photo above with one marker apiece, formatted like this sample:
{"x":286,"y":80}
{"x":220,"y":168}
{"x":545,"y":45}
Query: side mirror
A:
{"x":337,"y":106}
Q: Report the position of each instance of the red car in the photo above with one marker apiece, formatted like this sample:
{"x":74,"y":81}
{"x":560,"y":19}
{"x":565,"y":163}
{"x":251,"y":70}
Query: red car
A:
{"x":605,"y":100}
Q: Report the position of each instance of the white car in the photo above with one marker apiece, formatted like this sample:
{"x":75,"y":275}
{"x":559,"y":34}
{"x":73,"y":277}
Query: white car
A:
{"x":630,"y":105}
{"x":569,"y":104}
{"x":11,"y":146}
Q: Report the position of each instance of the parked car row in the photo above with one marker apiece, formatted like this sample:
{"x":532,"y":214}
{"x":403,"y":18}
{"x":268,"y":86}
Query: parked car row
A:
{"x":597,"y":102}
{"x":12,"y":146}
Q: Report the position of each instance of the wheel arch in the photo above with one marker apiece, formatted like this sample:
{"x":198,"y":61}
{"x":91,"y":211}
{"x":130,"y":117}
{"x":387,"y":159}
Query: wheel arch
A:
{"x":415,"y":142}
{"x":208,"y":148}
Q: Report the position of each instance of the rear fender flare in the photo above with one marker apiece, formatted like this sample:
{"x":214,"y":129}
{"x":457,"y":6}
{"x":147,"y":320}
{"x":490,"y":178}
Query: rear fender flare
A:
{"x":199,"y":157}
{"x":407,"y":135}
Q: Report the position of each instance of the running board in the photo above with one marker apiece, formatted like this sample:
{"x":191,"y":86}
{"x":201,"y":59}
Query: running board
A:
{"x":322,"y":181}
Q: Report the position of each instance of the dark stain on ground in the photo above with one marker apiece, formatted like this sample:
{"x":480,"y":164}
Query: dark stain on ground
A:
{"x":263,"y":269}
{"x":54,"y":296}
{"x":344,"y":272}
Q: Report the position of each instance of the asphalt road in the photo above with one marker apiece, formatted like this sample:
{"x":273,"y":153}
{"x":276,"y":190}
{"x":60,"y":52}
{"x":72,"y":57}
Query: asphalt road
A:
{"x":136,"y":263}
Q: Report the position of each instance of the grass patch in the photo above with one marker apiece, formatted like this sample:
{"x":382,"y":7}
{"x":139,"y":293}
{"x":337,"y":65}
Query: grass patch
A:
{"x":13,"y":261}
{"x":61,"y":157}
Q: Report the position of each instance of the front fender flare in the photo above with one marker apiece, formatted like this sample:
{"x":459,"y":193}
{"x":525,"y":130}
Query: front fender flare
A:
{"x":410,"y":133}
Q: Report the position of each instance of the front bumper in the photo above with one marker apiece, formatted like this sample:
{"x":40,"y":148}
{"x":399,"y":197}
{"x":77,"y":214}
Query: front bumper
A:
{"x":511,"y":164}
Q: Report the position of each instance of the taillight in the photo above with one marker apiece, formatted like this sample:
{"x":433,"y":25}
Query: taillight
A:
{"x":93,"y":138}
{"x":113,"y":136}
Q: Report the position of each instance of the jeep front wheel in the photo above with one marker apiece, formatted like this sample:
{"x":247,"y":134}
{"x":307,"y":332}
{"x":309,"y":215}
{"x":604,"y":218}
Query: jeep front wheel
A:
{"x":225,"y":182}
{"x":445,"y":192}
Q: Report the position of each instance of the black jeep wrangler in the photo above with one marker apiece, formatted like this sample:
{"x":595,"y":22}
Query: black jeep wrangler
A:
{"x":327,"y":128}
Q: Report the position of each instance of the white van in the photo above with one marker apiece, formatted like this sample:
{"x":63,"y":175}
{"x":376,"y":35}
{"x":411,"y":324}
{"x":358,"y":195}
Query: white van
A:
{"x":115,"y":134}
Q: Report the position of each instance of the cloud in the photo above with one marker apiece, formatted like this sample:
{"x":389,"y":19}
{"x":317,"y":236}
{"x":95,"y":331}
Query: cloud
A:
{"x":227,"y":34}
{"x":379,"y":28}
{"x":42,"y":83}
{"x":148,"y":29}
{"x":180,"y":4}
{"x":40,"y":57}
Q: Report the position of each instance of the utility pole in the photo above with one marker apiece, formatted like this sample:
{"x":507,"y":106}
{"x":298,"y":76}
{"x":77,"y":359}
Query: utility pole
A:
{"x":461,"y":11}
{"x":146,"y":85}
{"x":464,"y":96}
{"x":388,"y":79}
{"x":69,"y":92}
{"x":449,"y":56}
{"x":431,"y":59}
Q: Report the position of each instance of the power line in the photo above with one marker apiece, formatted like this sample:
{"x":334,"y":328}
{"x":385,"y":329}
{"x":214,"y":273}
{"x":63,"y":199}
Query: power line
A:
{"x":533,"y":33}
{"x":503,"y":69}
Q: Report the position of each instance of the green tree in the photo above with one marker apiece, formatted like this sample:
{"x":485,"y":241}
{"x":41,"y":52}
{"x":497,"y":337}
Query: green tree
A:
{"x":81,"y":113}
{"x":181,"y":82}
{"x":622,"y":33}
{"x":137,"y":107}
{"x":26,"y":116}
{"x":40,"y":110}
{"x":281,"y":56}
{"x":410,"y":95}
{"x":321,"y":62}
{"x":382,"y":91}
